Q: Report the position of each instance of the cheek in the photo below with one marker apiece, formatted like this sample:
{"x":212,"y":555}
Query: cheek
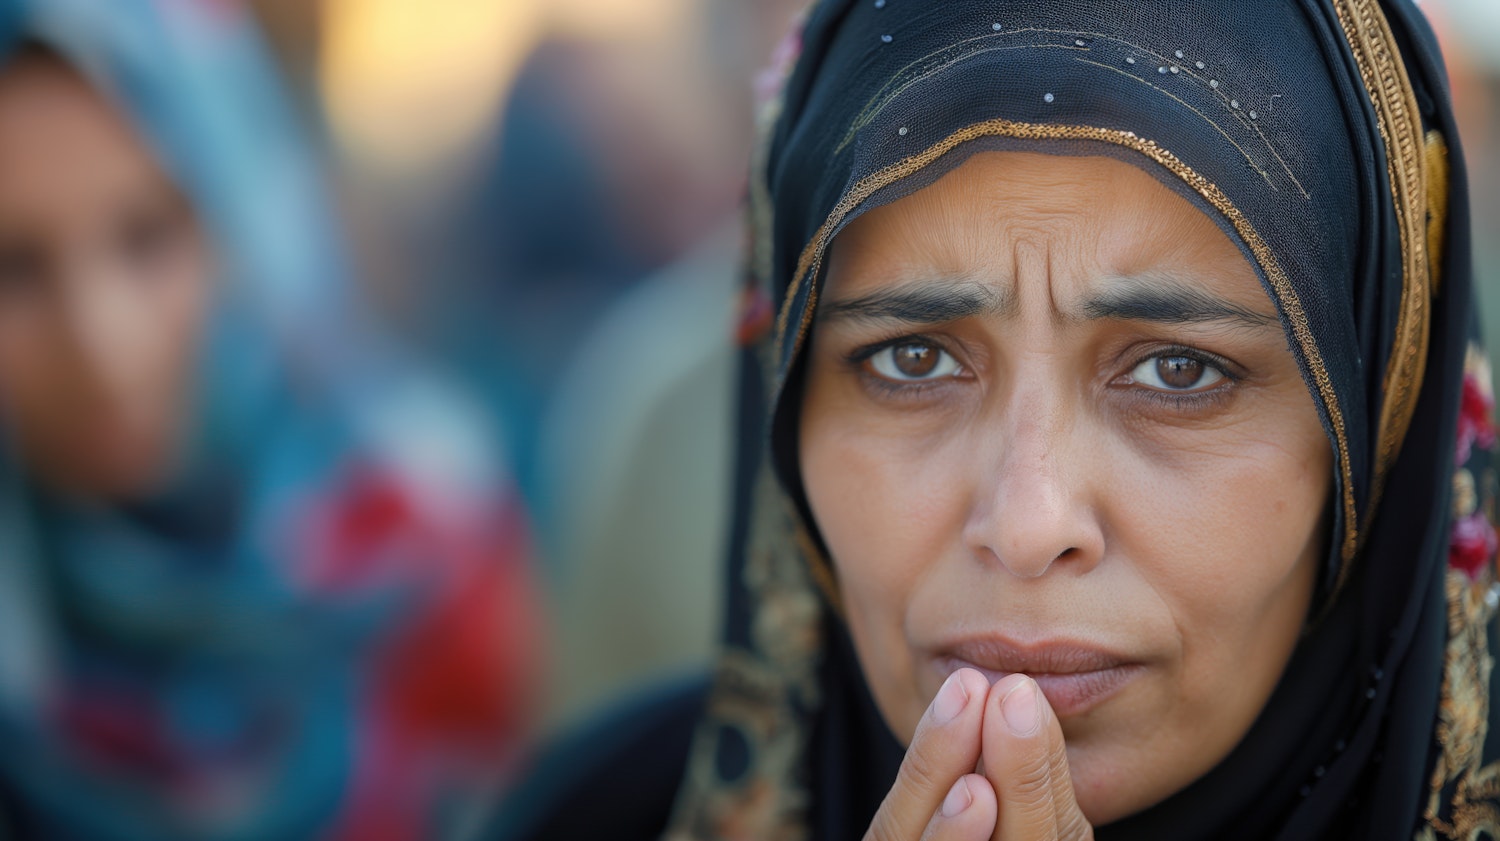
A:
{"x":180,"y":296}
{"x":887,"y":516}
{"x":1237,"y":517}
{"x":32,"y":339}
{"x":161,"y":345}
{"x":1230,"y":537}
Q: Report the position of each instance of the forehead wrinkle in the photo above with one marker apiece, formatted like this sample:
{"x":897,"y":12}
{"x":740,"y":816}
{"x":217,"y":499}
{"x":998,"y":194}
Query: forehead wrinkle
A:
{"x":1039,"y":249}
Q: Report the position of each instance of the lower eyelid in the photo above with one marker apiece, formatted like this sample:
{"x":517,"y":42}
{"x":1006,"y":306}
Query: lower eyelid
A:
{"x":904,"y":389}
{"x":1187,"y":403}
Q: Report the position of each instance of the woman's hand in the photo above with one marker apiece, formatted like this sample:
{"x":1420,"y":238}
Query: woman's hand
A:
{"x":937,"y":796}
{"x":1026,"y":762}
{"x":1010,"y":732}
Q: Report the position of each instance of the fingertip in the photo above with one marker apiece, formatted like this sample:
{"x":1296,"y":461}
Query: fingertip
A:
{"x":1021,"y":707}
{"x":951,"y":699}
{"x":970,"y":812}
{"x":958,"y":799}
{"x":1003,"y":697}
{"x":956,"y":693}
{"x":1004,"y":686}
{"x":983,"y":815}
{"x":982,"y":794}
{"x":974,"y":681}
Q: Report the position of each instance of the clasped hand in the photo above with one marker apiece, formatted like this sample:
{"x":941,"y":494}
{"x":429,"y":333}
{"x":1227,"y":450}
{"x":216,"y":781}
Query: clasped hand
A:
{"x":985,"y":763}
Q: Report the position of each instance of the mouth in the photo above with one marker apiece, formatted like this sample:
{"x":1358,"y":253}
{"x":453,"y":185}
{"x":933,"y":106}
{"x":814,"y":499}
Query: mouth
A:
{"x":1076,"y":678}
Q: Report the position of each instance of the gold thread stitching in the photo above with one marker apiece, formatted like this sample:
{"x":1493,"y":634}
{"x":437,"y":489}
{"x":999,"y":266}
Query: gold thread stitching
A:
{"x":1390,"y":90}
{"x":1436,"y":152}
{"x":946,"y":57}
{"x":811,"y":258}
{"x":1463,"y":789}
{"x":1220,"y":129}
{"x":1463,"y":719}
{"x":954,"y":54}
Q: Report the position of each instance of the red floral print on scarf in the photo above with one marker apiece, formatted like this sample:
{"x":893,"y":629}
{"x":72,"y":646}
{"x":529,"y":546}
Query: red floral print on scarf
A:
{"x":1476,"y":424}
{"x":1474,"y":541}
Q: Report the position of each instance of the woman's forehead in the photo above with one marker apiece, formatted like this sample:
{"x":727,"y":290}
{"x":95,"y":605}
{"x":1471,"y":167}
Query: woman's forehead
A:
{"x":64,"y":147}
{"x":1085,"y":228}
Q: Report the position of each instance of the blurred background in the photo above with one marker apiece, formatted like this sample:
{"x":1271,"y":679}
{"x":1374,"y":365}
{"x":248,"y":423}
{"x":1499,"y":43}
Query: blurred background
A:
{"x":564,"y":234}
{"x":497,"y":424}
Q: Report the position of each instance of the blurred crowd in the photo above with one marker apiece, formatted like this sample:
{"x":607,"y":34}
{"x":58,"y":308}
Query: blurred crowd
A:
{"x":366,"y":391}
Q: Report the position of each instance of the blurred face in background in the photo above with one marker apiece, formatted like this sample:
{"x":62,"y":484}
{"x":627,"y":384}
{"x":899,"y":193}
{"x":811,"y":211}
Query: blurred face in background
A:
{"x":104,"y":280}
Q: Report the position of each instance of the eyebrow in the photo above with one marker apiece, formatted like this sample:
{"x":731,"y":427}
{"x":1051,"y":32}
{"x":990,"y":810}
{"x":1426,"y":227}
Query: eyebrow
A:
{"x":1157,"y":300}
{"x":1169,"y":302}
{"x":934,"y":302}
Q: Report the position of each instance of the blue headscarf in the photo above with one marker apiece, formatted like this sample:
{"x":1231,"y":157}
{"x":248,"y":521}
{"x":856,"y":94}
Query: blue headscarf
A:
{"x":199,"y":666}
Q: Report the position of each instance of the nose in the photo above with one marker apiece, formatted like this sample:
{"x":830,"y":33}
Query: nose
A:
{"x":1033,"y":506}
{"x":109,"y":327}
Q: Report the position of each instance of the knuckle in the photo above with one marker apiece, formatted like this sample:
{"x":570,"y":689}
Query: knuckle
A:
{"x":1057,"y":756}
{"x":1031,"y":796}
{"x":883,"y":828}
{"x":918,"y":771}
{"x":1033,"y":780}
{"x":1072,"y":826}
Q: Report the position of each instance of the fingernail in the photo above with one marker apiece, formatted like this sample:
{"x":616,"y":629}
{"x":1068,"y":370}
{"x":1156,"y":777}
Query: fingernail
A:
{"x":958,"y":799}
{"x":950,"y":700}
{"x":1021,"y":708}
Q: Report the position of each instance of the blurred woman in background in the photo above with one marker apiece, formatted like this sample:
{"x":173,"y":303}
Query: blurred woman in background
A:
{"x":258,"y":576}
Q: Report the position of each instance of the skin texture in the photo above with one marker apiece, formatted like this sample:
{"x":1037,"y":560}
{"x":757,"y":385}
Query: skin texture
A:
{"x":1090,"y":435}
{"x":104,"y":281}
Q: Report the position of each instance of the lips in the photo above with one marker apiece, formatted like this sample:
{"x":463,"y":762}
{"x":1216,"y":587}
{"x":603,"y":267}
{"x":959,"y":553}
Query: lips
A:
{"x":1075,"y":677}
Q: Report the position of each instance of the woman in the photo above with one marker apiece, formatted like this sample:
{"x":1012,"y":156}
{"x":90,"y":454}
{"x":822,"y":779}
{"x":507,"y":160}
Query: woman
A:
{"x":246,"y":593}
{"x":1121,"y":357}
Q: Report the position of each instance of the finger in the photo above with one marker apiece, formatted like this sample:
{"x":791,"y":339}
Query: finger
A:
{"x":1026,"y":761}
{"x":967,"y":814}
{"x":944,"y":748}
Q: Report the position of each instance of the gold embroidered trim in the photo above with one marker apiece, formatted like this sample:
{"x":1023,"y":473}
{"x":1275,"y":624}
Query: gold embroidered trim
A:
{"x":1463,"y":720}
{"x":761,"y":690}
{"x":812,"y":255}
{"x":1390,"y":90}
{"x":1437,"y":204}
{"x":1463,"y":791}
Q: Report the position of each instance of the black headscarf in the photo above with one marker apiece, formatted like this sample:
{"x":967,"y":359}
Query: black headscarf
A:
{"x":1319,"y":135}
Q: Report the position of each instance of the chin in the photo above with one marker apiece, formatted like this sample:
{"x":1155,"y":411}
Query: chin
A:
{"x":1115,"y":781}
{"x":136,"y":480}
{"x":1100,"y":786}
{"x":120,"y":473}
{"x":1097,"y":786}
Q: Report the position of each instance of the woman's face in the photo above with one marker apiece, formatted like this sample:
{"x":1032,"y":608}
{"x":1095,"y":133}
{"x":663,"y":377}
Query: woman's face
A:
{"x":1052,"y":425}
{"x":103,"y":283}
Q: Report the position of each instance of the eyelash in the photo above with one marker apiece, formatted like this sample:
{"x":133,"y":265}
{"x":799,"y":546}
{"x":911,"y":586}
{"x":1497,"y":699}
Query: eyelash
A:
{"x":909,"y":390}
{"x":1177,"y":401}
{"x":1190,"y":400}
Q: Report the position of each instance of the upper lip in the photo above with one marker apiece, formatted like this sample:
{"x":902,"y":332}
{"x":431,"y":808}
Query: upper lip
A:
{"x":1056,"y":656}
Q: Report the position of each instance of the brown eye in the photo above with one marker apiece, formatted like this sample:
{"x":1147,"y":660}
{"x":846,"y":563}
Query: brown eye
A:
{"x":1176,"y":373}
{"x":913,"y":361}
{"x":1179,"y":371}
